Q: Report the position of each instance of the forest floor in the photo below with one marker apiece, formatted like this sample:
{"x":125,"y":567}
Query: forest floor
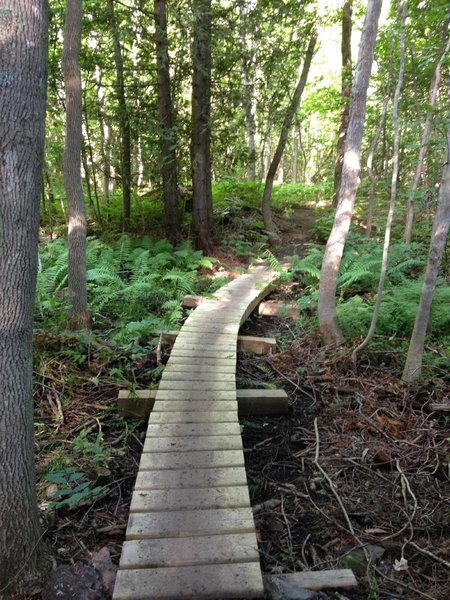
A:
{"x":356,"y":476}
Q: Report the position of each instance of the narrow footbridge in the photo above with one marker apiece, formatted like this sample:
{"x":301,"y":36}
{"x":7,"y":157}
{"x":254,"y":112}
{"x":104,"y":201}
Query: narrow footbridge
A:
{"x":190,"y":532}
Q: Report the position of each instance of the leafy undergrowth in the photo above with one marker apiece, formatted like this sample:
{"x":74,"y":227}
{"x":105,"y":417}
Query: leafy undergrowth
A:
{"x":357,"y":476}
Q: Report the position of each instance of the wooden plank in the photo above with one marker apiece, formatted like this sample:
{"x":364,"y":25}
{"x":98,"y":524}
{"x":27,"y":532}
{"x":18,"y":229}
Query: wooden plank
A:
{"x":188,"y":406}
{"x":192,"y":375}
{"x":200,"y":550}
{"x":206,"y":582}
{"x":190,"y":443}
{"x":195,"y":395}
{"x":205,"y":327}
{"x":160,"y":480}
{"x":186,"y":523}
{"x":245,"y":343}
{"x":167,"y":383}
{"x":224,"y":365}
{"x":172,"y":499}
{"x":195,"y":416}
{"x":206,"y":459}
{"x":207,"y":352}
{"x":176,"y":430}
{"x":198,"y":346}
{"x":318,"y":580}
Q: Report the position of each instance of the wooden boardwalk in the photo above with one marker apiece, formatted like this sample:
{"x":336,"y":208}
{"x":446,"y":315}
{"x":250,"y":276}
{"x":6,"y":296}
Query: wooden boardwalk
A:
{"x":191,"y":532}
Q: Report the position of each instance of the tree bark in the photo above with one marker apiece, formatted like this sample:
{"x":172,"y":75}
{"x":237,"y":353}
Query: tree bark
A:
{"x":395,"y":161}
{"x":201,"y":127}
{"x":294,"y":155}
{"x":124,"y":121}
{"x":248,"y":91}
{"x":287,"y":124}
{"x":167,"y":134}
{"x":329,"y":327}
{"x":23,"y":84}
{"x":78,"y":314}
{"x":413,"y":365}
{"x":374,"y":145}
{"x":346,"y":87}
{"x":424,"y":142}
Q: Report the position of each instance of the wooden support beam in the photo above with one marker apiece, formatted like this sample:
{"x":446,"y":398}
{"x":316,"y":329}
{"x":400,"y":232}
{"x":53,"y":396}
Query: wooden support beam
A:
{"x":140,"y":403}
{"x":310,"y":580}
{"x":273,"y":308}
{"x":245,"y":343}
{"x":440,"y":407}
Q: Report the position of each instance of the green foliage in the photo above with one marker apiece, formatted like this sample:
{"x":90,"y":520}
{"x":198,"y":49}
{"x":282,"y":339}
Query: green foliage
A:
{"x":135,"y":287}
{"x":357,"y":284}
{"x":76,"y":483}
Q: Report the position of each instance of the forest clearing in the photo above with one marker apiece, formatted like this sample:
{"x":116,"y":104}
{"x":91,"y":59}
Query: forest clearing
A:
{"x":152,"y":156}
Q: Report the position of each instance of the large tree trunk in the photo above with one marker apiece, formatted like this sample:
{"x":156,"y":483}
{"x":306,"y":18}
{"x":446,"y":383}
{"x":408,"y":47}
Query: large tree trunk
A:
{"x":330,"y":329}
{"x":124,"y":121}
{"x":167,"y":125}
{"x":346,"y":87}
{"x":285,"y":128}
{"x":426,"y":134}
{"x":78,"y":316}
{"x":23,"y":64}
{"x":201,"y":127}
{"x":395,"y":161}
{"x":413,"y":364}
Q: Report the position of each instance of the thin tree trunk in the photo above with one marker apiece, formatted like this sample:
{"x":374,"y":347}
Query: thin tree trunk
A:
{"x":247,"y":91}
{"x":91,"y":158}
{"x":78,"y":314}
{"x":330,"y":329}
{"x":287,"y":124}
{"x":374,"y":145}
{"x":201,"y":127}
{"x":424,"y":142}
{"x":105,"y":149}
{"x":23,"y":65}
{"x":294,"y":175}
{"x":167,"y":125}
{"x":346,"y":87}
{"x":395,"y":162}
{"x":124,"y":121}
{"x":413,"y":365}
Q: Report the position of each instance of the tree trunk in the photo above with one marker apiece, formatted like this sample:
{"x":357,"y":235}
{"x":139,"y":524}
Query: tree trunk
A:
{"x":23,"y":84}
{"x":247,"y":90}
{"x":346,"y":87}
{"x":201,"y":127}
{"x":424,"y":142}
{"x":373,"y":146}
{"x":329,"y":327}
{"x":98,"y":212}
{"x":287,"y":124}
{"x":395,"y":161}
{"x":294,"y":175}
{"x":413,"y":363}
{"x":124,"y":121}
{"x":78,"y":315}
{"x":167,"y":125}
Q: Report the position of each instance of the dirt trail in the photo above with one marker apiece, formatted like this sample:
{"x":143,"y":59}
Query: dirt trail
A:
{"x":296,"y":229}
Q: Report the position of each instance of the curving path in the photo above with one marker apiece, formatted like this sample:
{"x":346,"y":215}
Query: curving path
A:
{"x":191,"y":532}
